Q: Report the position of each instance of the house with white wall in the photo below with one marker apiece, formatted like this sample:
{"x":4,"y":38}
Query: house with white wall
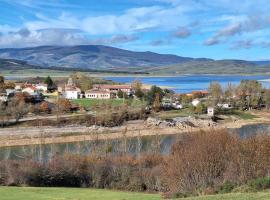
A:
{"x":114,"y":88}
{"x":32,"y":90}
{"x":195,"y":102}
{"x":71,"y":91}
{"x":42,"y":87}
{"x":97,"y":94}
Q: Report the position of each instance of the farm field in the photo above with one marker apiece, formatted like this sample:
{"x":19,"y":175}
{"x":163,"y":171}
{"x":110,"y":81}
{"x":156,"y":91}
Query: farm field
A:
{"x":25,"y":193}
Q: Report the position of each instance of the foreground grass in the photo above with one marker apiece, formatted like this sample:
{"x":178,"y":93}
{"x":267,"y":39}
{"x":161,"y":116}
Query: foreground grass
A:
{"x":26,"y":193}
{"x":265,"y":195}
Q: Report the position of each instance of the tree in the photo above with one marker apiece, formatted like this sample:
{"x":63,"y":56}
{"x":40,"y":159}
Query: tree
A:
{"x":2,"y":83}
{"x":139,"y":93}
{"x":120,"y":94}
{"x":156,"y":103}
{"x":82,"y":81}
{"x":2,"y":79}
{"x":266,"y":98}
{"x":215,"y":93}
{"x":185,"y":99}
{"x":250,"y":93}
{"x":151,"y":95}
{"x":51,"y":86}
{"x":9,"y":85}
{"x":64,"y":105}
{"x":17,"y":108}
{"x":137,"y":87}
{"x":230,"y":92}
{"x":48,"y":81}
{"x":200,"y":109}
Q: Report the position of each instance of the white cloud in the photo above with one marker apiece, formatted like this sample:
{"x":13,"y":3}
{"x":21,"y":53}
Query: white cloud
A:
{"x":132,"y":20}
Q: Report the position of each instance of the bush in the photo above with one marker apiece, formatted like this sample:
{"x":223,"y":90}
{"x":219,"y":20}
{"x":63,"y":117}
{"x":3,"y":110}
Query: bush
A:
{"x":260,"y":184}
{"x":207,"y":159}
{"x":226,"y":187}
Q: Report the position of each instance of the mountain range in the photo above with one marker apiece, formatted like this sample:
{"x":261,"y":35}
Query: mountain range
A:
{"x":106,"y":58}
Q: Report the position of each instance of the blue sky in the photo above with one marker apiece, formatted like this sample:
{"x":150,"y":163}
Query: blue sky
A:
{"x":219,"y":29}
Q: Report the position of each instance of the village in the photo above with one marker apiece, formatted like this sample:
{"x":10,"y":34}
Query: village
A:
{"x":108,"y":104}
{"x":153,"y":97}
{"x":40,"y":92}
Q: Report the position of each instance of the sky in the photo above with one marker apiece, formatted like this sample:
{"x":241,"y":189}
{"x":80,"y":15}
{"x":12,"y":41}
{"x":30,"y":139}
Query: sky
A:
{"x":218,"y":29}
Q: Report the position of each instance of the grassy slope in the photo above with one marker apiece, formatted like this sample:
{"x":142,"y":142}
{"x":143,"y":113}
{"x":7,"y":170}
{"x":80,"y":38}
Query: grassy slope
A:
{"x":26,"y":193}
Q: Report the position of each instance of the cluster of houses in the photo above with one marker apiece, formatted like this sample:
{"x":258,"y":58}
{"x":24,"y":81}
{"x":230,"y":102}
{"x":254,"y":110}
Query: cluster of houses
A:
{"x":69,"y":91}
{"x":99,"y":91}
{"x":36,"y":91}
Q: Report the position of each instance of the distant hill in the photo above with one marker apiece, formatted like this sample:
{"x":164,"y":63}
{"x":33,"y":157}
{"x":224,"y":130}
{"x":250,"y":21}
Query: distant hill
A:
{"x":110,"y":59}
{"x":90,"y":57}
{"x":214,"y":67}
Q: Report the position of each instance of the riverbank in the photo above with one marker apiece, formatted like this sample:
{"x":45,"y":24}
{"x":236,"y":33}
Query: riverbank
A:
{"x":56,"y":135}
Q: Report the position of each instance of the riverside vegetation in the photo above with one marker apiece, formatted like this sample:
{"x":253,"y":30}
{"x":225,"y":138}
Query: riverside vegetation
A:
{"x":200,"y":163}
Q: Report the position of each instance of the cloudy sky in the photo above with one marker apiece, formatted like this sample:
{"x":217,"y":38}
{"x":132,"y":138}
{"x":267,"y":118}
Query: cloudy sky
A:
{"x":217,"y":29}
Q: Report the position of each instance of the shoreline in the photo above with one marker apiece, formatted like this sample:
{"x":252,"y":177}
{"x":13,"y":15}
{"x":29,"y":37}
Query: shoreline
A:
{"x":86,"y":134}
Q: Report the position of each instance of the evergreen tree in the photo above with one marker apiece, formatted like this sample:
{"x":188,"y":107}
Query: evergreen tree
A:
{"x":51,"y":86}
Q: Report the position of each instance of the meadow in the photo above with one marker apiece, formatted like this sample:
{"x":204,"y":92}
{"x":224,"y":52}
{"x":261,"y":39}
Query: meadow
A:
{"x":26,"y":193}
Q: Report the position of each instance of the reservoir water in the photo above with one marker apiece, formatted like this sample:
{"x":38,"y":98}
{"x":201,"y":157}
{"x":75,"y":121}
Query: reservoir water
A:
{"x":188,"y":83}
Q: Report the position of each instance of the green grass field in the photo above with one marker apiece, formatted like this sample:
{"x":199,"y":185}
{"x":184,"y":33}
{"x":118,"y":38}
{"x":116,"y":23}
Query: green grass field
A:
{"x":175,"y":113}
{"x":29,"y":193}
{"x":244,"y":115}
{"x":89,"y":103}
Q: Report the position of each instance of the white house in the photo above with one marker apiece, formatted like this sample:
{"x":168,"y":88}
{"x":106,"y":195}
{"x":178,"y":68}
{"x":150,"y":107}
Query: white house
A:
{"x":210,"y":111}
{"x":30,"y":90}
{"x":10,"y":92}
{"x":72,"y":93}
{"x":97,"y":94}
{"x":42,"y":87}
{"x":177,"y":105}
{"x":3,"y":97}
{"x":195,"y":102}
{"x":224,"y":105}
{"x":18,"y":87}
{"x":114,"y":88}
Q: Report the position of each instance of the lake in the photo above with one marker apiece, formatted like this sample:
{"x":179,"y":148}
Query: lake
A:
{"x":188,"y":83}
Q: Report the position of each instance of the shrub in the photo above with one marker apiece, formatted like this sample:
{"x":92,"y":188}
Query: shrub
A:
{"x":226,"y":187}
{"x":260,"y":184}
